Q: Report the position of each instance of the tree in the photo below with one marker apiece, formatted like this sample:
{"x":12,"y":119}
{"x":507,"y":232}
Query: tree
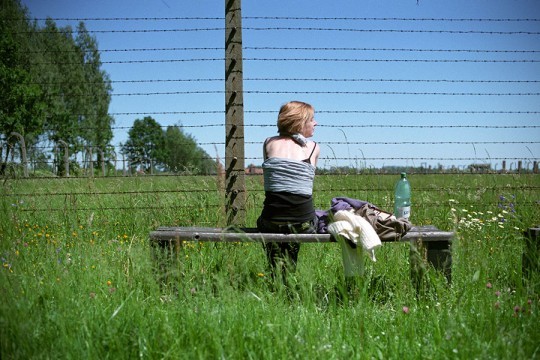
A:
{"x":62,"y":76}
{"x":50,"y":77}
{"x":145,"y":145}
{"x":21,"y":103}
{"x":169,"y":150}
{"x":58,"y":69}
{"x":95,"y":121}
{"x":183,"y":154}
{"x":180,"y":150}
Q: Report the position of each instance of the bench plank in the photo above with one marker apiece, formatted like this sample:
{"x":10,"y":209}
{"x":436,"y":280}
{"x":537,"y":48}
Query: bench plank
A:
{"x":207,"y":234}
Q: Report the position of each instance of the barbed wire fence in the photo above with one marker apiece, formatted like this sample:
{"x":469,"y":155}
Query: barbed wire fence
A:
{"x":436,"y":120}
{"x":256,"y":83}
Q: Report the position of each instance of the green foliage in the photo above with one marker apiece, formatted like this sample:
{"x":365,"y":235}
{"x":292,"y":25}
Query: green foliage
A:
{"x":180,"y":150}
{"x":21,"y":103}
{"x":182,"y":154}
{"x":171,"y":150}
{"x":79,"y":281}
{"x":59,"y":69}
{"x":52,"y":74}
{"x":145,"y":145}
{"x":95,"y":122}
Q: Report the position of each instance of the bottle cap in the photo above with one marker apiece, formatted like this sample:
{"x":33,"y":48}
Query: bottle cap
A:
{"x":403,"y":175}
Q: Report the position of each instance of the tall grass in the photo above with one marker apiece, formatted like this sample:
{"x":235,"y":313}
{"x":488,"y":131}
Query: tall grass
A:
{"x":78,"y":279}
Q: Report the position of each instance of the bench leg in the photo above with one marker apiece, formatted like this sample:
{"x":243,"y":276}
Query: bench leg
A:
{"x":439,"y":254}
{"x":165,"y":257}
{"x":530,"y":263}
{"x":435,"y":253}
{"x":418,"y":264}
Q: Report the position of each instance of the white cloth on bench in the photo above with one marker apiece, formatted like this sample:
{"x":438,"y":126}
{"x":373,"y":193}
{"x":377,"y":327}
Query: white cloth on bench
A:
{"x":357,"y":230}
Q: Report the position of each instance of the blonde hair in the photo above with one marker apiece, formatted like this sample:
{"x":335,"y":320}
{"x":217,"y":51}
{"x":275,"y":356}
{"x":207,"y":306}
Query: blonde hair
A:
{"x":293,"y":116}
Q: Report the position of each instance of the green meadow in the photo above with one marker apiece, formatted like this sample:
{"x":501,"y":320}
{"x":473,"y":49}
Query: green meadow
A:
{"x":79,"y":280}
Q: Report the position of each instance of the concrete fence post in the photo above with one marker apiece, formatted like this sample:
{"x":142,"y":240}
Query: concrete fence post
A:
{"x":89,"y":162}
{"x":23,"y":152}
{"x":102,"y":155}
{"x":235,"y":192}
{"x":115,"y":159}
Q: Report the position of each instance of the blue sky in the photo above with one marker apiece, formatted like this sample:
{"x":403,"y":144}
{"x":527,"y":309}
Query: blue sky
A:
{"x":376,"y":79}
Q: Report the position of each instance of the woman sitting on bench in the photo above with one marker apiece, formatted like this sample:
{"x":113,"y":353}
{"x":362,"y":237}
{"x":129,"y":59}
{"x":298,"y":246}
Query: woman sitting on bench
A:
{"x":289,"y":169}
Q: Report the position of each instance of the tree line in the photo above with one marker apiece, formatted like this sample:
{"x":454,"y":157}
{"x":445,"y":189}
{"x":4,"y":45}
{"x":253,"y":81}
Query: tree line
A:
{"x":169,"y":150}
{"x":54,"y":90}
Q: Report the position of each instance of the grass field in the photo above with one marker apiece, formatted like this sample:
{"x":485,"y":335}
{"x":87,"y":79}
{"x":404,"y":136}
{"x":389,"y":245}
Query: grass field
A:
{"x":78,"y":279}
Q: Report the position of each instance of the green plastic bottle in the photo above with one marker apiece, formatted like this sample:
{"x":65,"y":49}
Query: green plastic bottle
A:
{"x":402,"y":198}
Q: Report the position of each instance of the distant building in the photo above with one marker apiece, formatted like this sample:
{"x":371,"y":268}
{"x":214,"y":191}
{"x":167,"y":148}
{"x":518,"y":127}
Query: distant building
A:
{"x":480,"y":168}
{"x":254,"y":170}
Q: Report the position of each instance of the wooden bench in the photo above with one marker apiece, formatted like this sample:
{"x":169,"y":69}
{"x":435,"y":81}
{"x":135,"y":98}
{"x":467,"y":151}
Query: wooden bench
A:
{"x":429,"y":245}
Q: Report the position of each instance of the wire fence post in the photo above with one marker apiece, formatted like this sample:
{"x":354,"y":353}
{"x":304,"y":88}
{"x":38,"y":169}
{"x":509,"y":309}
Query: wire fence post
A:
{"x":235,"y":195}
{"x":101,"y":155}
{"x":89,"y":162}
{"x":66,"y":157}
{"x":115,"y":159}
{"x":124,"y":172}
{"x":23,"y":152}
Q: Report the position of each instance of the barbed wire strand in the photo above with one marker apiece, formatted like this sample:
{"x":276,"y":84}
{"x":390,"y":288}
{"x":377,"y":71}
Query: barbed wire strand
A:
{"x":160,"y":61}
{"x":267,"y":92}
{"x":301,"y":79}
{"x":414,"y":19}
{"x":167,"y":49}
{"x":317,"y":29}
{"x":175,"y":191}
